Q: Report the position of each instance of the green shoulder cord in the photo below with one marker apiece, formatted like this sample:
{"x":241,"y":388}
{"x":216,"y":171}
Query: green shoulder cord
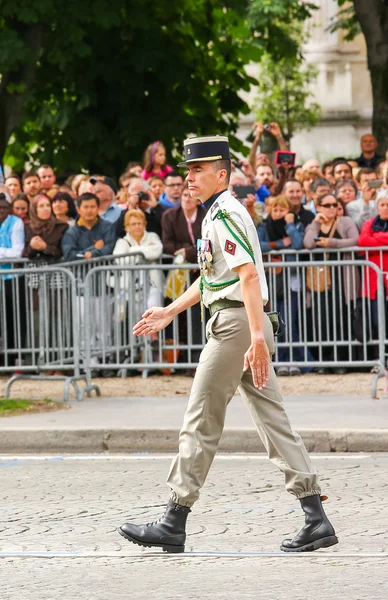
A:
{"x":224,"y":216}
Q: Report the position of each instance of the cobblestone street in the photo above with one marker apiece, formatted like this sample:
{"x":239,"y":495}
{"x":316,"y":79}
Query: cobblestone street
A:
{"x":59,"y":517}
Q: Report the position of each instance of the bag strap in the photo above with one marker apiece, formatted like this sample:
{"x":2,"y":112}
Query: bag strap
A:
{"x":332,"y":232}
{"x":333,"y":229}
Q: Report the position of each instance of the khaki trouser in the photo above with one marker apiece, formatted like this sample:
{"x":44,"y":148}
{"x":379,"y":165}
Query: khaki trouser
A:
{"x":219,"y":374}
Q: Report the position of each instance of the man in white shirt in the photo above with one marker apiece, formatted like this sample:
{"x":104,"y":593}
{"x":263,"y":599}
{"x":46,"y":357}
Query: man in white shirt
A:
{"x":237,"y":355}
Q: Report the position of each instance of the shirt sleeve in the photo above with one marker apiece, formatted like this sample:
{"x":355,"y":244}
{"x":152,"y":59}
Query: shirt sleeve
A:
{"x":17,"y":241}
{"x":234,"y":248}
{"x":153,"y":248}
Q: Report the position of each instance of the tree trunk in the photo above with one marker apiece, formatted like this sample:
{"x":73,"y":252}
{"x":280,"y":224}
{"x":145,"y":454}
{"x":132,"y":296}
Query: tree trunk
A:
{"x":11,"y":104}
{"x":379,"y":79}
{"x":289,"y":134}
{"x":373,"y":18}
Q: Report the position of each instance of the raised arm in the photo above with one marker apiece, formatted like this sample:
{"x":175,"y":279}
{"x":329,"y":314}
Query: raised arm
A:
{"x":259,"y":129}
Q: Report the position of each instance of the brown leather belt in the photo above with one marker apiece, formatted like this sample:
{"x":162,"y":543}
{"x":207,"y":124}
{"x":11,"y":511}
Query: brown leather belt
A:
{"x":224,"y":303}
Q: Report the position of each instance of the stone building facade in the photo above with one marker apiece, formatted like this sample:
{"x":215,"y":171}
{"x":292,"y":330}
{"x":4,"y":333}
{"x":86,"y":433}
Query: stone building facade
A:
{"x":343,"y":90}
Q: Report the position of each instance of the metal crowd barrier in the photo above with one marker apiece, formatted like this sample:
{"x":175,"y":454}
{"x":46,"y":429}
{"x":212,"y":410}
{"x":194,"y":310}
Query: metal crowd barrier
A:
{"x":95,"y":311}
{"x":336,"y":327}
{"x":78,"y":317}
{"x":353,"y":332}
{"x":39,"y":327}
{"x":115,"y":299}
{"x":42,"y":321}
{"x":353,"y":253}
{"x":80,"y":268}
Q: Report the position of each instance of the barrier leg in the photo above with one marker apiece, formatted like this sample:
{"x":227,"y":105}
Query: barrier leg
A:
{"x":88,"y":389}
{"x":68,"y":381}
{"x":378,"y":371}
{"x":10,"y":381}
{"x":381,"y":367}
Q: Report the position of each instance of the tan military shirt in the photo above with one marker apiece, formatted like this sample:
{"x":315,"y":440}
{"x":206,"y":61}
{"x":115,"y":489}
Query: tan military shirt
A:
{"x":226,"y":252}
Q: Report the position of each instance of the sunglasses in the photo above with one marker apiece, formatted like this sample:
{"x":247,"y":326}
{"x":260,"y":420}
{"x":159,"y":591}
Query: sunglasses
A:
{"x":333,"y":205}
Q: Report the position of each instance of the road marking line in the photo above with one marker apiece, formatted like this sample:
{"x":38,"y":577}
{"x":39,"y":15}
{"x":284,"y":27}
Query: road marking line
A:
{"x":58,"y":554}
{"x":232,"y":457}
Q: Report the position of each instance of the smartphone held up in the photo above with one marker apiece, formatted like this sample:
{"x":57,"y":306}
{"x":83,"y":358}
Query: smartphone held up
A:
{"x":375,"y":184}
{"x":283,"y":158}
{"x":242,"y":191}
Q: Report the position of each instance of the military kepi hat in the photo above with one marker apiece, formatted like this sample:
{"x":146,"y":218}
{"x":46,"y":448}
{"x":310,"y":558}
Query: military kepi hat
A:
{"x":208,"y":148}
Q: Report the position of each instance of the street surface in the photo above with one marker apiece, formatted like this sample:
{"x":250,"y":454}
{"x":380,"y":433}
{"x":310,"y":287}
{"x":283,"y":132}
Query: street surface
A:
{"x":59,"y":517}
{"x":315,"y":411}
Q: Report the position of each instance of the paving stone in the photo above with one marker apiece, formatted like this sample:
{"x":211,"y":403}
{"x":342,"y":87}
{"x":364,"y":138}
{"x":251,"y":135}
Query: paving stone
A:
{"x":75,"y":506}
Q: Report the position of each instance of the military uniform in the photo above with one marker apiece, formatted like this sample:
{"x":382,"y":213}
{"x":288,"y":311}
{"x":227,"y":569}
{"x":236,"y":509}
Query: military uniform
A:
{"x":229,"y":239}
{"x":220,"y":370}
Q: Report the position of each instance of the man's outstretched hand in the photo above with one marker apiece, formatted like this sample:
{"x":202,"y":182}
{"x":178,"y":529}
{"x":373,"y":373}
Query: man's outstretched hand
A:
{"x":154,"y":319}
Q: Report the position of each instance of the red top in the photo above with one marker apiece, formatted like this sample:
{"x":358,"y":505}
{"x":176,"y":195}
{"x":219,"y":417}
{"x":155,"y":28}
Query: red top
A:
{"x":379,"y":258}
{"x":162,"y":173}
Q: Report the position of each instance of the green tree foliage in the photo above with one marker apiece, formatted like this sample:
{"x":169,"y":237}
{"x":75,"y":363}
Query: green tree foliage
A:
{"x":277,"y":23}
{"x":284,"y":94}
{"x":88,"y":84}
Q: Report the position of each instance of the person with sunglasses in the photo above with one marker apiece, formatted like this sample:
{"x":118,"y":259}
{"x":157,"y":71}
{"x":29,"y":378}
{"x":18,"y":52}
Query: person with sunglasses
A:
{"x":337,"y":288}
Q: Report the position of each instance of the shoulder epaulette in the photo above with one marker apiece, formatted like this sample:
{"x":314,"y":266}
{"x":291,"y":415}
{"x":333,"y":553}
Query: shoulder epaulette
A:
{"x":214,"y":210}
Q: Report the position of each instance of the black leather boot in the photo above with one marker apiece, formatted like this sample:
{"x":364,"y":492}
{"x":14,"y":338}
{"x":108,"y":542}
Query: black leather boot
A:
{"x":317,"y":532}
{"x":168,"y":533}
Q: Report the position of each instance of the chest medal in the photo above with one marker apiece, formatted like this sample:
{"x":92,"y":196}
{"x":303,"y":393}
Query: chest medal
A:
{"x":205,"y":257}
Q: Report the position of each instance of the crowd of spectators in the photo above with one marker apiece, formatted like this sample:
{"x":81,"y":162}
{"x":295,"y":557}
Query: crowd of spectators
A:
{"x":338,"y":204}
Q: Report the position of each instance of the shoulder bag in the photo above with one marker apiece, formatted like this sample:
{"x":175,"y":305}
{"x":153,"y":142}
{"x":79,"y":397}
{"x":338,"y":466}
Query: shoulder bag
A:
{"x":318,"y":279}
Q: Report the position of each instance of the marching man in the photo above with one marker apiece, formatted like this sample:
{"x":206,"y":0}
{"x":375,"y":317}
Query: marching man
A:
{"x":237,"y":355}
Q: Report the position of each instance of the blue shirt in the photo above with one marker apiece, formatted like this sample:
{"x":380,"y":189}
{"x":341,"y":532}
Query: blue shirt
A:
{"x":262,"y":193}
{"x":12,"y":239}
{"x":294,"y":230}
{"x":112,"y":213}
{"x":165,"y":202}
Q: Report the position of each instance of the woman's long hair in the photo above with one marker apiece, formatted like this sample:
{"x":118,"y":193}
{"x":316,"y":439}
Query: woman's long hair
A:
{"x":149,"y":155}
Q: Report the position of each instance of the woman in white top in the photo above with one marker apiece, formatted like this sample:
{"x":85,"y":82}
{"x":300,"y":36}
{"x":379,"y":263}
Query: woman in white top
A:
{"x":139,"y":241}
